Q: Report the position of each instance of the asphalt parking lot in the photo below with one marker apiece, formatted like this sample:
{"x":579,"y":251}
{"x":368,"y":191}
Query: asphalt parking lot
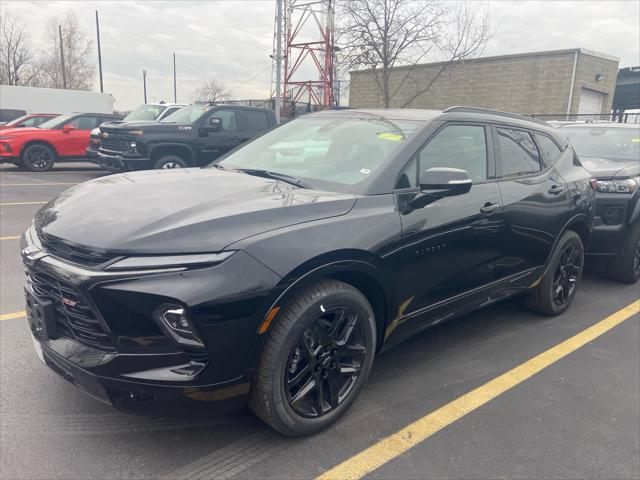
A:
{"x":579,"y":417}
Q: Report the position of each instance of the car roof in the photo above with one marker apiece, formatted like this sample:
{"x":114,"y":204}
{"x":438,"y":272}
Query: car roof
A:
{"x":463,"y":114}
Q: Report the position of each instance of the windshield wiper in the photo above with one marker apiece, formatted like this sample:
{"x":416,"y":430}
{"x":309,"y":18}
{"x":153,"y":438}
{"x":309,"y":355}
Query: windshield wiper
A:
{"x":298,"y":182}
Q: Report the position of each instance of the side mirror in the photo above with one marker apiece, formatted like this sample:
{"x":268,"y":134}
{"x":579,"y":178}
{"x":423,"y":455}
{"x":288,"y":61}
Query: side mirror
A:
{"x":439,"y":182}
{"x":215,"y":124}
{"x":68,"y":128}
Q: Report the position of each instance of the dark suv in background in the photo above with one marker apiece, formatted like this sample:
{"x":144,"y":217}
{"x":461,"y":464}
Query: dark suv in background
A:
{"x":279,"y":272}
{"x":193,"y":136}
{"x":611,"y":152}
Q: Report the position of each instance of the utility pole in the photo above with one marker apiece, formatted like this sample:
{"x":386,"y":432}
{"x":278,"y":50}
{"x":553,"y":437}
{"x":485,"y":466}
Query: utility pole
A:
{"x":175,"y":94}
{"x":64,"y":75}
{"x":144,"y":84}
{"x":99,"y":52}
{"x":278,"y":95}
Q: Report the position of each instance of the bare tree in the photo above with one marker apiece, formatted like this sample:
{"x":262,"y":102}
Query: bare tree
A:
{"x":79,"y":69}
{"x":384,"y":34}
{"x":17,"y":62}
{"x":211,"y":91}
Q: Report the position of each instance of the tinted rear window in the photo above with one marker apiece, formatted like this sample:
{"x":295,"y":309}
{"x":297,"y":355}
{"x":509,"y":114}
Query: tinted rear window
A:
{"x":548,"y":149}
{"x":518,"y":153}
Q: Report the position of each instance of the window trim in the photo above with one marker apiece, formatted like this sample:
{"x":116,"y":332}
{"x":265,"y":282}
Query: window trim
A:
{"x":498,"y":153}
{"x":555,"y":160}
{"x":488,"y":140}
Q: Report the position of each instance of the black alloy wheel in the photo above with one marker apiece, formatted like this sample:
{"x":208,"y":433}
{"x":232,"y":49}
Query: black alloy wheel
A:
{"x":557,"y":287}
{"x":325,"y":362}
{"x":38,"y":158}
{"x":316,"y":358}
{"x":566,"y":276}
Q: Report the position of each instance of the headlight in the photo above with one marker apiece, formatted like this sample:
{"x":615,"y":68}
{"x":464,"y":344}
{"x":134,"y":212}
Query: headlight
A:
{"x":137,"y":133}
{"x":95,"y":131}
{"x":169,"y":261}
{"x":618,"y":186}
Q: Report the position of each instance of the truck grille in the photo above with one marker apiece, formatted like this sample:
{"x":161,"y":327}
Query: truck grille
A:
{"x":75,"y":319}
{"x":614,"y":215}
{"x":78,"y":255}
{"x":117,"y":142}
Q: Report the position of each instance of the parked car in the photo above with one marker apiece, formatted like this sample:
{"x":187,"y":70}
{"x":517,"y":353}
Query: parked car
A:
{"x":144,"y":113}
{"x":278,"y":275}
{"x":193,"y":136}
{"x":61,"y":138}
{"x":8,"y":114}
{"x":31,"y":120}
{"x":611,"y":152}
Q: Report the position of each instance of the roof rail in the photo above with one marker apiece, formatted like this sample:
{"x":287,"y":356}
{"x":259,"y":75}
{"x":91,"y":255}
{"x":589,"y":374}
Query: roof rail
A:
{"x":493,"y":112}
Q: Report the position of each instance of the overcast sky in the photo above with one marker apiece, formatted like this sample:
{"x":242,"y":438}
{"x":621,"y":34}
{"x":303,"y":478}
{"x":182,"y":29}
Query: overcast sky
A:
{"x":231,"y":40}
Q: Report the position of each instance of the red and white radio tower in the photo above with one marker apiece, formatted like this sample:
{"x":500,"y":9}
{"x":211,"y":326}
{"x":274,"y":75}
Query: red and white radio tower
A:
{"x":307,"y":54}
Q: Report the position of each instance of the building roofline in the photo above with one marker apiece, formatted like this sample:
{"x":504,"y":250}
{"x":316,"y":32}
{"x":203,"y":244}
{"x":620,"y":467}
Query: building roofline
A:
{"x":583,"y":51}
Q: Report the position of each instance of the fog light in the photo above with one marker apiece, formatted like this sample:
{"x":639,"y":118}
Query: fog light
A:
{"x":133,"y":145}
{"x":175,"y":321}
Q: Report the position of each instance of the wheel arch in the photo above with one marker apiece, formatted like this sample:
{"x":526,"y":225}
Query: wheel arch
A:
{"x":179,"y":149}
{"x":38,"y":142}
{"x":360,"y":269}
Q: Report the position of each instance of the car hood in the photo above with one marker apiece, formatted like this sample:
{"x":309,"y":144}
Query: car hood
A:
{"x":152,"y":126}
{"x":14,"y":132}
{"x":180,"y":211}
{"x":604,"y":169}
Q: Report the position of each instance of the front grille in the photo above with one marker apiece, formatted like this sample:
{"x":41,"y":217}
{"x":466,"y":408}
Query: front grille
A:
{"x":81,"y":256}
{"x":117,"y":142}
{"x":75,"y":319}
{"x":614,"y":215}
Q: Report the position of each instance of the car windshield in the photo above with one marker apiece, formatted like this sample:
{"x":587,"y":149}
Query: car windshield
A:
{"x":55,"y":122}
{"x":186,"y":115}
{"x":612,"y":143}
{"x":145,"y":112}
{"x":332,"y":153}
{"x":17,"y":121}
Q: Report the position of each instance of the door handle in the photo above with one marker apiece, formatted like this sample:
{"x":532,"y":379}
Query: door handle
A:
{"x":489,"y":207}
{"x":557,"y":189}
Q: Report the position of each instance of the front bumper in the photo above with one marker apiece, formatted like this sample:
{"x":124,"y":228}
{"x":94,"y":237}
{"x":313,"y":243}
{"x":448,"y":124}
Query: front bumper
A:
{"x":613,"y":212}
{"x":133,"y":360}
{"x":117,"y":161}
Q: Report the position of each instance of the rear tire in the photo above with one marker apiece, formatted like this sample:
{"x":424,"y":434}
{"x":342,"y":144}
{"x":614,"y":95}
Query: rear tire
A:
{"x":38,"y":157}
{"x":170,"y":161}
{"x":559,"y":284}
{"x":316,"y":359}
{"x":626,"y":265}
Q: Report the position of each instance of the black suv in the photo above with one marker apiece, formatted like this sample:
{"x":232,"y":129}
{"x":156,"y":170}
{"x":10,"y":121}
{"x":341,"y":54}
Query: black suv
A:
{"x":611,"y":152}
{"x":193,"y":136}
{"x":278,"y":272}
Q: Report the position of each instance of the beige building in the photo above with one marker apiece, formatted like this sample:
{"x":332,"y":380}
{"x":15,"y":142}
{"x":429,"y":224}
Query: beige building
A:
{"x":560,"y":83}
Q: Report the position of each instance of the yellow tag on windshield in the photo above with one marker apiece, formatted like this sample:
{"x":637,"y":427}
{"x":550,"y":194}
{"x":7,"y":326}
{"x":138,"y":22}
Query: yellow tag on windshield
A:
{"x":635,"y":140}
{"x":391,"y":136}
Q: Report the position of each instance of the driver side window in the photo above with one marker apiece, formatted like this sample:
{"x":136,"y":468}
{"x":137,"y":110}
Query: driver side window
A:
{"x":228,"y":117}
{"x":456,"y":146}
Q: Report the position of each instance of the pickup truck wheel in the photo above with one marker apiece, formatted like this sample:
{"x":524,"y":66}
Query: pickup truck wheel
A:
{"x":38,"y":157}
{"x":626,"y":265}
{"x":559,"y":284}
{"x":316,"y":359}
{"x":170,"y":161}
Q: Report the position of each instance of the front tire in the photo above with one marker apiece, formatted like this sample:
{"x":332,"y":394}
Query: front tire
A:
{"x":38,"y":157}
{"x":170,"y":161}
{"x":558,"y":286}
{"x":316,"y":359}
{"x":626,"y":265}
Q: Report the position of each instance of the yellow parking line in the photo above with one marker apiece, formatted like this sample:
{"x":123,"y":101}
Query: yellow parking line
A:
{"x":395,"y":445}
{"x":11,"y":316}
{"x":16,"y":237}
{"x":34,"y":184}
{"x":9,"y":204}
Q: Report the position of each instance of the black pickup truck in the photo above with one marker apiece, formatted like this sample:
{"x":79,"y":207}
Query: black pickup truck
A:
{"x":193,"y":136}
